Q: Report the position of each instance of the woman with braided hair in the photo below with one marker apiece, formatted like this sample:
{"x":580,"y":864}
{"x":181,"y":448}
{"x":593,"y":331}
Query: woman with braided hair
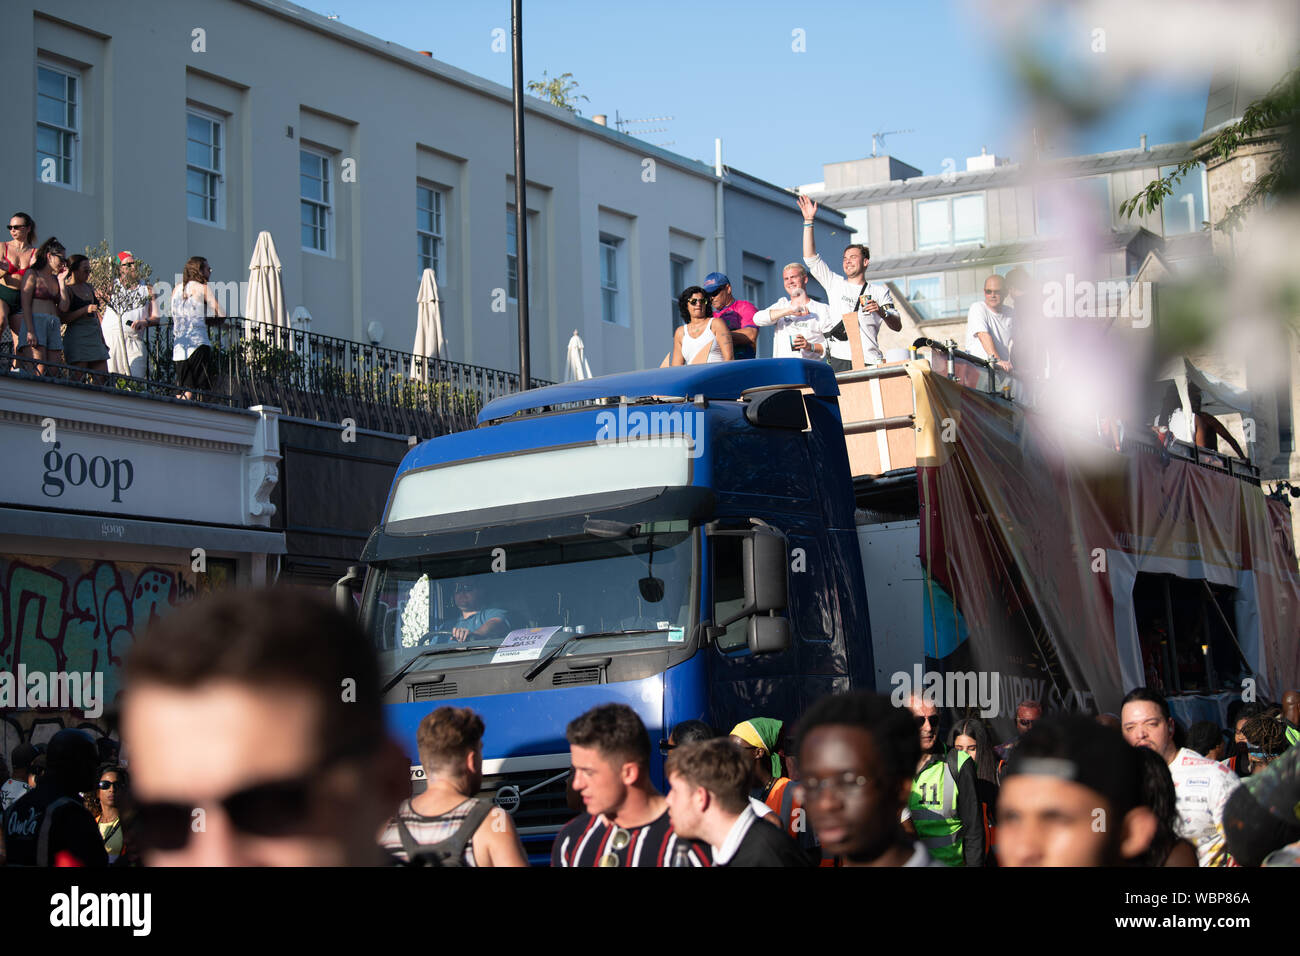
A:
{"x":1266,"y":737}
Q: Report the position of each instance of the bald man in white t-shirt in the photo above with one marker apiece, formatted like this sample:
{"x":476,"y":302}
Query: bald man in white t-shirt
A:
{"x":988,"y":324}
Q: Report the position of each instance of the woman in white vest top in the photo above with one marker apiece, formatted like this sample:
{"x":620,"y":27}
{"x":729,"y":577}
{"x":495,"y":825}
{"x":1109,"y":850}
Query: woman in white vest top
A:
{"x":703,"y":338}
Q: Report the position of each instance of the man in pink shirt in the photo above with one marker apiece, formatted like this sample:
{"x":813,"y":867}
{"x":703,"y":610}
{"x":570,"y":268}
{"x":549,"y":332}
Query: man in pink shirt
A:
{"x":737,"y":313}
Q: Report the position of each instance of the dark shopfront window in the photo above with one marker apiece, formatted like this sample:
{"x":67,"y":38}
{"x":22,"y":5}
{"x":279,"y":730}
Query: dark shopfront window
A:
{"x":1187,"y":633}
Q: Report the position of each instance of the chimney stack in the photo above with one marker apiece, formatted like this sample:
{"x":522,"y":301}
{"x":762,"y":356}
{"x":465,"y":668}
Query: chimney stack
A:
{"x":600,"y":119}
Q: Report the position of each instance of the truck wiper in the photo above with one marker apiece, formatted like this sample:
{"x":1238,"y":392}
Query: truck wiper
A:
{"x":431,"y":652}
{"x":555,"y":651}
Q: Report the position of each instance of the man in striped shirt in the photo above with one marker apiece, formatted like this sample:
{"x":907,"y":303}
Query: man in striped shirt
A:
{"x":626,"y":820}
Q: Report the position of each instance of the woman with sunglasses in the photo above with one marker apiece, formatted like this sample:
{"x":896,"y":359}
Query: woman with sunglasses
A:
{"x":41,"y":291}
{"x":113,"y":817}
{"x":16,"y":256}
{"x":703,"y":338}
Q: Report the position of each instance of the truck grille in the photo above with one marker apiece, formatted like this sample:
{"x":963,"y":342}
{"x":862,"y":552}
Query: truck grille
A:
{"x":539,"y":811}
{"x":579,"y":675}
{"x":431,"y":690}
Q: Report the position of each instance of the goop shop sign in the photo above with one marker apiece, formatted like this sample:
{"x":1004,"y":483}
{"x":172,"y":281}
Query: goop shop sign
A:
{"x":73,"y":469}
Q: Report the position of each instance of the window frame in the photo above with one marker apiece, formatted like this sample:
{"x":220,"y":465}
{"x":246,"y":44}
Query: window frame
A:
{"x":72,"y":132}
{"x":1106,"y":223}
{"x":326,"y":203}
{"x":512,"y":259}
{"x":438,"y":236}
{"x":614,"y":244}
{"x":676,"y":262}
{"x":1199,"y":191}
{"x":218,"y":174}
{"x":950,"y":234}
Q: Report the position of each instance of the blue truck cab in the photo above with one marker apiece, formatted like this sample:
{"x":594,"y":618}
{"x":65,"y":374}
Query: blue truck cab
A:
{"x":679,"y":540}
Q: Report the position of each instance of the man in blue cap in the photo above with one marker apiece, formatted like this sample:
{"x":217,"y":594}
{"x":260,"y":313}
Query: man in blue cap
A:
{"x":737,"y":313}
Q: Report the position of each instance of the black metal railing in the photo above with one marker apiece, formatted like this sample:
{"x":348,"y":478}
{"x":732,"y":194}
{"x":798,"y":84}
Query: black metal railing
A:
{"x":984,"y":374}
{"x":313,"y":376}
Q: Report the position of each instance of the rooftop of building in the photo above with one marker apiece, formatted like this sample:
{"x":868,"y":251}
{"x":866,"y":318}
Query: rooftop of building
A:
{"x":1010,"y":174}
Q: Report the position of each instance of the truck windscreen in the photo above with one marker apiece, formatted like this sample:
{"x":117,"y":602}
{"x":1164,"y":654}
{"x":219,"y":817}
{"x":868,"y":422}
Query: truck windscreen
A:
{"x":518,"y":603}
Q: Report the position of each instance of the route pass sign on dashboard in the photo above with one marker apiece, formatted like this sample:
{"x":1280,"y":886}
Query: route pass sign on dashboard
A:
{"x":524,"y":644}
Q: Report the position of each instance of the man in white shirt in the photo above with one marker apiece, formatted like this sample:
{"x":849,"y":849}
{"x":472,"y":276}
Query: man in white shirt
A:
{"x":801,"y":322}
{"x":16,"y":785}
{"x":1201,"y":786}
{"x":850,"y":292}
{"x":708,"y":800}
{"x":988,"y":324}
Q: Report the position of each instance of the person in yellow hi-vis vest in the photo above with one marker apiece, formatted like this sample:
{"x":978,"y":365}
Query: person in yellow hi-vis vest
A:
{"x":944,"y":804}
{"x":1291,"y":716}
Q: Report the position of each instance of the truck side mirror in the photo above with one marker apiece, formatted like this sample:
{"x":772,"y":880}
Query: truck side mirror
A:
{"x":344,"y":588}
{"x":764,"y":566}
{"x":768,"y":635}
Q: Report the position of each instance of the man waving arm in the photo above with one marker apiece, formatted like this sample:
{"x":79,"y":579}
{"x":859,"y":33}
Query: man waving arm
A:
{"x":820,"y":271}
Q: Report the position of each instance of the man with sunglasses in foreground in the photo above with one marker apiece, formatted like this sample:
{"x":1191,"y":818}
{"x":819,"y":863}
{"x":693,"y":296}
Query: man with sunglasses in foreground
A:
{"x":944,"y":805}
{"x":626,"y":820}
{"x":256,"y":734}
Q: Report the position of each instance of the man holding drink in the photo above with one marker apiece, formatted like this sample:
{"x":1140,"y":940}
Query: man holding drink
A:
{"x":801,"y":322}
{"x":850,"y":295}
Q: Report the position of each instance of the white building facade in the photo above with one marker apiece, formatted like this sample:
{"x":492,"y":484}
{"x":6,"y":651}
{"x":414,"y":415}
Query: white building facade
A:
{"x":179,"y":129}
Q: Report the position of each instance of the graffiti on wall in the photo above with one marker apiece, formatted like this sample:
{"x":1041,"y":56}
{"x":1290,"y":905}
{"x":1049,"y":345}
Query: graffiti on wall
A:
{"x":81,"y":615}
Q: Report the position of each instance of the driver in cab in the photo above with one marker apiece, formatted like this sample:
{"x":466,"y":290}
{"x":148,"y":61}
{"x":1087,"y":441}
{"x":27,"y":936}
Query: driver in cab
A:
{"x":476,"y":620}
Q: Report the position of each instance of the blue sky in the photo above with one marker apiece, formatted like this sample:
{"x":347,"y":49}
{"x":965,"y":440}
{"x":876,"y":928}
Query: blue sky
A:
{"x":724,"y":69}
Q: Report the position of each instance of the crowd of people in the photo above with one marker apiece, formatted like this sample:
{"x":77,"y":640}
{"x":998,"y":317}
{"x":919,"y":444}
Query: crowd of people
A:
{"x":239,"y":748}
{"x":60,"y":325}
{"x":718,"y":327}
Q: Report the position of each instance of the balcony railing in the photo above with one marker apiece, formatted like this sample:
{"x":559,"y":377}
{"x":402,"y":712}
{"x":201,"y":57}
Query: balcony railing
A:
{"x":313,"y":376}
{"x":1100,"y":298}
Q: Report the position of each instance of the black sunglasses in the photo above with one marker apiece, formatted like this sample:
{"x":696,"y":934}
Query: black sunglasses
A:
{"x":277,"y":808}
{"x":696,"y":301}
{"x":108,"y":785}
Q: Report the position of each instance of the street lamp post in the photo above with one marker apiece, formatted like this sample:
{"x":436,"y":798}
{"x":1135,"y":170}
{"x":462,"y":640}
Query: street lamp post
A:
{"x":521,"y":199}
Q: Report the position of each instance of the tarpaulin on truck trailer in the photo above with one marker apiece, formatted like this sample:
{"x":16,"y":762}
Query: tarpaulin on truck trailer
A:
{"x":1070,"y":573}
